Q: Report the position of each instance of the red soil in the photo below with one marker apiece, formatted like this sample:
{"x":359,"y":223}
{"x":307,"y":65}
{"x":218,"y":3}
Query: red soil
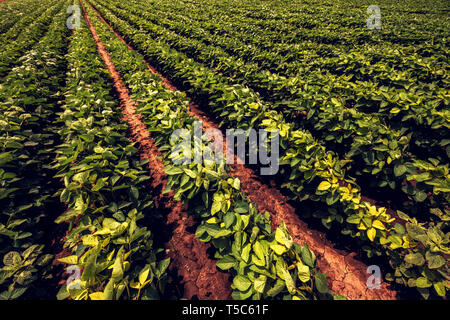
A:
{"x":200,"y":276}
{"x":346,"y":275}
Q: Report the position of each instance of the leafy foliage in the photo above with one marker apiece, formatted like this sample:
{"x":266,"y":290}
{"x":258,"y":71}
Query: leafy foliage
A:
{"x":28,"y":102}
{"x":311,"y":171}
{"x":106,"y":190}
{"x":264,"y":264}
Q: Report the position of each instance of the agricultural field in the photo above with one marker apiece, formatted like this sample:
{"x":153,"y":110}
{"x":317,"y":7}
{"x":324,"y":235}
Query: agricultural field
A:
{"x":125,"y":172}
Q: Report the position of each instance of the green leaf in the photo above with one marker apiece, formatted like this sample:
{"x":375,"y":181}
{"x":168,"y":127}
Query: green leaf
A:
{"x":228,"y":219}
{"x":434,"y":260}
{"x":424,"y":292}
{"x":308,"y":256}
{"x":278,"y":249}
{"x":111,"y":224}
{"x":237,"y":184}
{"x":399,"y":229}
{"x":440,"y":288}
{"x":239,"y":295}
{"x":216,"y":207}
{"x":378,"y":225}
{"x":290,"y":283}
{"x":108,"y":293}
{"x":171,"y":170}
{"x":163,"y":265}
{"x":97,"y":296}
{"x":324,"y":185}
{"x":143,"y":275}
{"x":277,"y":288}
{"x":90,"y":240}
{"x":260,"y":283}
{"x":416,"y":232}
{"x":335,"y":102}
{"x":245,"y":221}
{"x":321,"y":283}
{"x":62,"y":293}
{"x":282,"y":236}
{"x":415,"y":258}
{"x":245,"y":255}
{"x":17,"y":292}
{"x":81,"y":177}
{"x":354,"y":219}
{"x":434,"y":235}
{"x":303,"y":272}
{"x":90,"y":267}
{"x":399,"y":170}
{"x":241,"y":282}
{"x":423,"y":282}
{"x":73,"y":259}
{"x":339,"y":297}
{"x":371,"y":233}
{"x":241,"y":207}
{"x":222,"y":233}
{"x":190,"y":173}
{"x":259,"y":250}
{"x":98,"y":185}
{"x":134,"y":192}
{"x":420,"y":196}
{"x":117,"y":273}
{"x":12,"y":258}
{"x":44,"y":259}
{"x":403,"y":215}
{"x":226,"y":263}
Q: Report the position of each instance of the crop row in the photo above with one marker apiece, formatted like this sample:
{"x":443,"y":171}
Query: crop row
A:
{"x":263,"y":263}
{"x":381,"y":152}
{"x":311,"y":170}
{"x":13,"y":12}
{"x":365,"y":62}
{"x":106,"y":190}
{"x":304,"y":53}
{"x":29,"y":98}
{"x":392,"y":69}
{"x":369,"y":66}
{"x":29,"y":34}
{"x":373,"y":146}
{"x":331,"y":22}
